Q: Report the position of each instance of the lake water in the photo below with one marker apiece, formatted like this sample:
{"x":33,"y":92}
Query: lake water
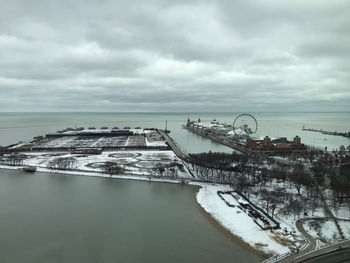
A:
{"x":61,"y":218}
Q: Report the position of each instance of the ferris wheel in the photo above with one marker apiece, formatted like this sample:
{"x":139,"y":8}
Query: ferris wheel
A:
{"x":245,"y":122}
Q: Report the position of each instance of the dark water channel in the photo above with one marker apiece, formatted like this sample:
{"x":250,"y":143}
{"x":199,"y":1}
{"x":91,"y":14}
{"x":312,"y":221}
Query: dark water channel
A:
{"x":58,"y":218}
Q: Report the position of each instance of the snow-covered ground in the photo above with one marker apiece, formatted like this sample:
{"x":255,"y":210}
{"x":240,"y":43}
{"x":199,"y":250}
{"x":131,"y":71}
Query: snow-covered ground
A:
{"x":341,"y":211}
{"x":155,"y":143}
{"x":132,"y":162}
{"x":325,"y":230}
{"x":154,"y":139}
{"x":276,"y":242}
{"x":77,"y":140}
{"x":345,"y":226}
{"x":237,"y":222}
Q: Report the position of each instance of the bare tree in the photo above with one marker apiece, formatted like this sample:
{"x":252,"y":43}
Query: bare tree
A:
{"x":296,"y":207}
{"x":62,"y":163}
{"x":14,"y":159}
{"x":296,"y":178}
{"x":112,"y":168}
{"x":319,"y":168}
{"x":340,"y":182}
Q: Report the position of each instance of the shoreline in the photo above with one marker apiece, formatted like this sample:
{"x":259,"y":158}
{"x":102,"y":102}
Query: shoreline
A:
{"x":234,"y":238}
{"x":216,"y":223}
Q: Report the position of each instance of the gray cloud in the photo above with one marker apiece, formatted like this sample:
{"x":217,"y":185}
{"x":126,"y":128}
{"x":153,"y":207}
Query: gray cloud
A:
{"x":174,"y":56}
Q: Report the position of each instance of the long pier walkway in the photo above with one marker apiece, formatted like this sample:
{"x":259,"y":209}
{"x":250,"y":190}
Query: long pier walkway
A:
{"x":178,"y":150}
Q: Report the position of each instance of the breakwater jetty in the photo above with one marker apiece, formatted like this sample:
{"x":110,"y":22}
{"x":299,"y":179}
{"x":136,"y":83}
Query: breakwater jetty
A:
{"x":334,"y":133}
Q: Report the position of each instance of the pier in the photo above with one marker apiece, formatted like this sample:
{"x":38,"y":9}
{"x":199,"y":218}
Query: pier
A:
{"x":181,"y":153}
{"x":243,"y":142}
{"x":334,"y":133}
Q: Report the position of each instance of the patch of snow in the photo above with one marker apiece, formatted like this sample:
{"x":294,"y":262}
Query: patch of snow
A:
{"x":155,"y":143}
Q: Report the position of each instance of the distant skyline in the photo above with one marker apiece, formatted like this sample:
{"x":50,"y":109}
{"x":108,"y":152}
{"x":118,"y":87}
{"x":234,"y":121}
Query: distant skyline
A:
{"x":174,"y":56}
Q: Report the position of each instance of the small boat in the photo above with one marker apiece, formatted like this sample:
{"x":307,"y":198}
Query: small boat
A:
{"x":31,"y":169}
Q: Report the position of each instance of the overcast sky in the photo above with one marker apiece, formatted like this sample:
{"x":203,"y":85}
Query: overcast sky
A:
{"x":111,"y":55}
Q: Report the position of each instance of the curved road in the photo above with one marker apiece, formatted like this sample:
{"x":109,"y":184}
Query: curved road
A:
{"x":310,"y":239}
{"x":312,"y":242}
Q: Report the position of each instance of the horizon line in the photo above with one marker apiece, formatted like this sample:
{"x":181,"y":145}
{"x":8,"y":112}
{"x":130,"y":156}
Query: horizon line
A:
{"x":169,"y":112}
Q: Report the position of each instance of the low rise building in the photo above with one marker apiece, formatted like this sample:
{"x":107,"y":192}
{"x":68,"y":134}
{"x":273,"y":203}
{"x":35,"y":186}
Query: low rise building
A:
{"x":279,"y":145}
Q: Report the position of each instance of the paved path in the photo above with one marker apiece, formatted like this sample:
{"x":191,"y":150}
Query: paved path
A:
{"x":310,"y":251}
{"x":312,"y":242}
{"x":181,"y":153}
{"x":328,"y":213}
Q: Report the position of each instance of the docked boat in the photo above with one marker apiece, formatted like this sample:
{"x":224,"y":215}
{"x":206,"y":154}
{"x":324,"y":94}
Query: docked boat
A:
{"x":31,"y":169}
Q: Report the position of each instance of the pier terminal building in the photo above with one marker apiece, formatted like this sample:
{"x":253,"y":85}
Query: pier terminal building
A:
{"x":243,"y":139}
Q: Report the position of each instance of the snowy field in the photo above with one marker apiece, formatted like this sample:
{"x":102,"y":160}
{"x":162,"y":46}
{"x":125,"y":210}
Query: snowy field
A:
{"x":237,"y":222}
{"x":94,"y":141}
{"x":140,"y":138}
{"x":345,"y":226}
{"x":324,"y":230}
{"x":339,"y":210}
{"x":270,"y":242}
{"x":144,"y":163}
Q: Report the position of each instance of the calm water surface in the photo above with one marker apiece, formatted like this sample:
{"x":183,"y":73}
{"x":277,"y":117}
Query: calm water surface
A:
{"x":59,"y":218}
{"x":24,"y":126}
